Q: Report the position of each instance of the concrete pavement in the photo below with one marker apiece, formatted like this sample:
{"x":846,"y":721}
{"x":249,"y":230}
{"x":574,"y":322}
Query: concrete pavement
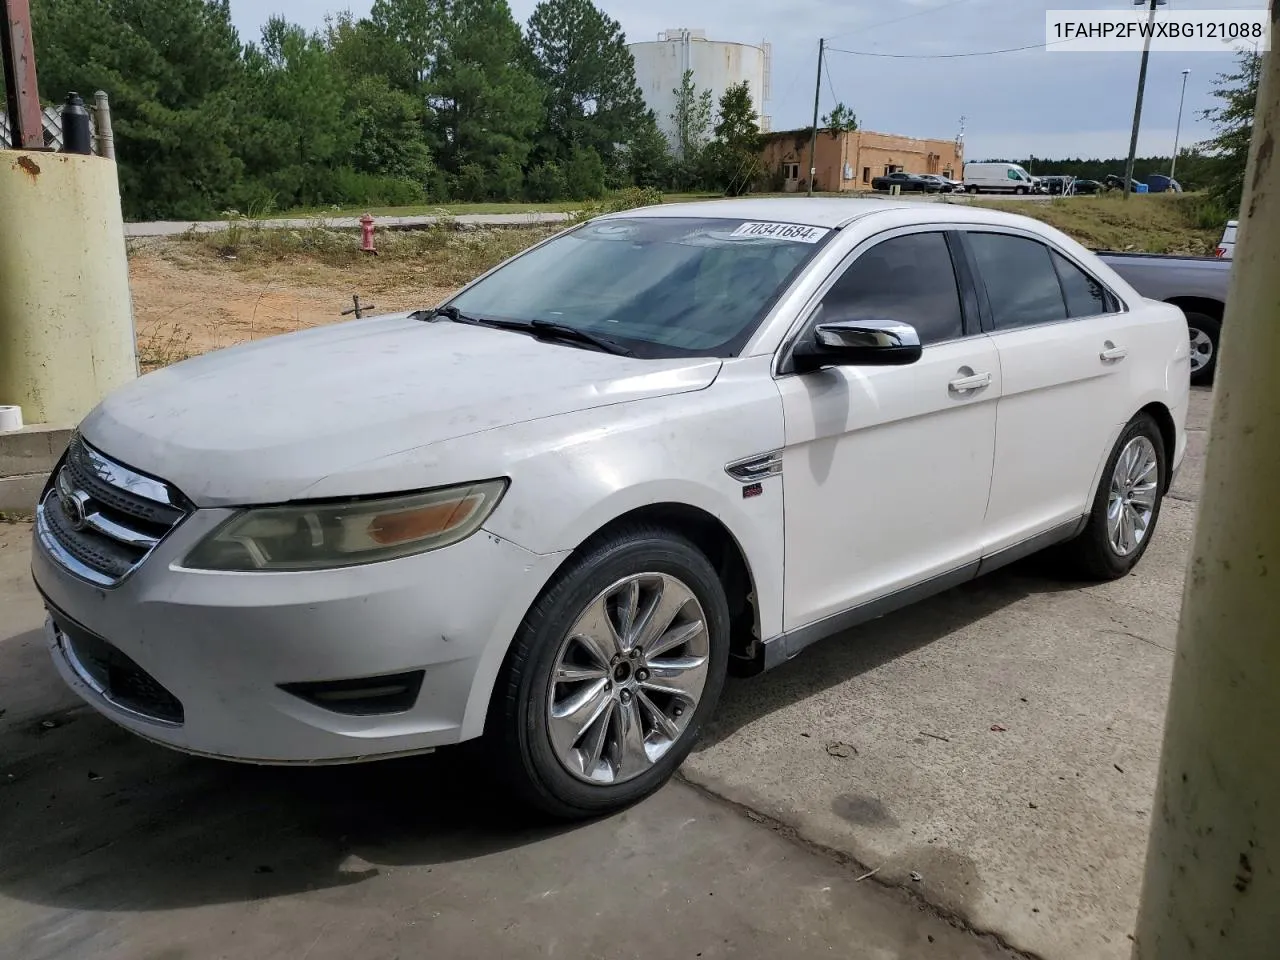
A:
{"x":999,"y":741}
{"x":114,"y":849}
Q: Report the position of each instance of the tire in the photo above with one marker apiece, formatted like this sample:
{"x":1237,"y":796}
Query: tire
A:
{"x":1020,"y":191}
{"x":1205,"y":332}
{"x":551,"y":764}
{"x":971,"y":189}
{"x":1092,"y":555}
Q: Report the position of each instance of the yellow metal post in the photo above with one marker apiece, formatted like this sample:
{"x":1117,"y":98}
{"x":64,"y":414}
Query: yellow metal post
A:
{"x":1212,"y":887}
{"x":66,"y":317}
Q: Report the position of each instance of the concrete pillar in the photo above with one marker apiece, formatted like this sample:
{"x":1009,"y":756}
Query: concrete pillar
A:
{"x":66,"y":317}
{"x":102,"y":124}
{"x":1212,"y":887}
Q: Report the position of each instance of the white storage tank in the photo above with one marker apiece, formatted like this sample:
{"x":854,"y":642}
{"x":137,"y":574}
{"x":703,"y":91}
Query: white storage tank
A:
{"x":716,"y":65}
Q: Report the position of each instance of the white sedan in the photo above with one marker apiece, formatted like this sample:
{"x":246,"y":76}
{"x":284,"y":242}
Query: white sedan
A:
{"x":555,"y":510}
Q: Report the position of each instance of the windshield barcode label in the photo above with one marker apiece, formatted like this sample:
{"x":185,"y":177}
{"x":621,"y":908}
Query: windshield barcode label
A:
{"x":781,"y":231}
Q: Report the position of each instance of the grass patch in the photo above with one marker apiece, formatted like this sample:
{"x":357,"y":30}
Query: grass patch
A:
{"x":453,"y":255}
{"x":463,"y":209}
{"x":1186,"y":224}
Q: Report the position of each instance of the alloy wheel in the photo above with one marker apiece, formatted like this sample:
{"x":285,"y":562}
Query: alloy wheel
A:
{"x":1201,"y":350}
{"x":1134,"y":491}
{"x":628,"y":678}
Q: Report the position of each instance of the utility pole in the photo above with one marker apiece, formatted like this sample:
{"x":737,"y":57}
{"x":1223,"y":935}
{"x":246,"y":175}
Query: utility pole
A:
{"x":1177,"y":134}
{"x":1142,"y":84}
{"x":22,"y":92}
{"x":1213,"y":863}
{"x":813,"y":138}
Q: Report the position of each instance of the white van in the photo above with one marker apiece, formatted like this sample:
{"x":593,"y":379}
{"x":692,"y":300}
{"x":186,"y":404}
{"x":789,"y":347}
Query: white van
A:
{"x":997,"y":178}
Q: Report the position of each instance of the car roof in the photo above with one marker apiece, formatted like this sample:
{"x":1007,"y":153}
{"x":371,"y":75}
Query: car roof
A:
{"x":831,"y":212}
{"x":808,"y":211}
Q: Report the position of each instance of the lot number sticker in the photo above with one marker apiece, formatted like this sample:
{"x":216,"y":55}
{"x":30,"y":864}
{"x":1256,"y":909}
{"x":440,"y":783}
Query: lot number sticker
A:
{"x":781,"y":231}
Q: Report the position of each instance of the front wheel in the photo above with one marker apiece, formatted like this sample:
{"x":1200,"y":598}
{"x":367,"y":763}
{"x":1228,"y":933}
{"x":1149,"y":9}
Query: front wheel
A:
{"x":971,"y":189}
{"x":1205,"y":332}
{"x":1126,"y":508}
{"x":1020,"y":191}
{"x":612,"y":675}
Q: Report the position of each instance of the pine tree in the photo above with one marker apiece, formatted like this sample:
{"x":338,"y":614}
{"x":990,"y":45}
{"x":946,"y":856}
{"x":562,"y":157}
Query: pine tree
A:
{"x":734,"y":155}
{"x":581,"y":58}
{"x":486,"y":105}
{"x":1233,"y":122}
{"x":295,"y":131}
{"x":173,"y":71}
{"x":647,"y":160}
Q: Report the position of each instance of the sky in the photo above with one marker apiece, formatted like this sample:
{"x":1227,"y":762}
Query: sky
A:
{"x":1015,"y":105}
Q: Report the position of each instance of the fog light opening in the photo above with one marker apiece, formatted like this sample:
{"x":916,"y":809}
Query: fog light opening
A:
{"x":362,"y":696}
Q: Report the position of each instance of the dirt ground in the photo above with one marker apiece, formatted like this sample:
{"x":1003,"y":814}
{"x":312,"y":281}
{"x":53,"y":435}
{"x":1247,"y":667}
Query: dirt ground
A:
{"x":186,"y":305}
{"x":193,"y":294}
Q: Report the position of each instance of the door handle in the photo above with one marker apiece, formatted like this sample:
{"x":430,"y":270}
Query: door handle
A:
{"x":968,"y":384}
{"x":1112,"y":353}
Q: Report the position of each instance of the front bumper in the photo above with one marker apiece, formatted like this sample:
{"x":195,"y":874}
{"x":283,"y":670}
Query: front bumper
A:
{"x":223,"y":644}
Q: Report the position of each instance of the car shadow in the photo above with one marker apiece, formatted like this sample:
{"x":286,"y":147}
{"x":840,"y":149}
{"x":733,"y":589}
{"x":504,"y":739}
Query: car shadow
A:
{"x":849,"y":654}
{"x":94,"y":818}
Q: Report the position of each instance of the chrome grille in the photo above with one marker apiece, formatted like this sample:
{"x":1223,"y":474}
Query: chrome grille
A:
{"x":100,"y":519}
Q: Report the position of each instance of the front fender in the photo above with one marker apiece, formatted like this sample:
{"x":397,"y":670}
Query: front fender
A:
{"x":574,"y":474}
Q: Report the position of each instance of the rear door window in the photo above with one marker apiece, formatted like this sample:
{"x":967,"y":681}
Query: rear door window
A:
{"x":1021,"y":282}
{"x":1085,"y":296}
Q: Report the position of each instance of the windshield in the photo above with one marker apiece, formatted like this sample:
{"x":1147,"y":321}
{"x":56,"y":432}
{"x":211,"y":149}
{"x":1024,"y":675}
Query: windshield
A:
{"x":1021,"y":172}
{"x":663,"y":287}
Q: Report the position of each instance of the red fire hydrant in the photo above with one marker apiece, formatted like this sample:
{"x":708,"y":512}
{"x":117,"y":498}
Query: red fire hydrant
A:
{"x":366,"y":235}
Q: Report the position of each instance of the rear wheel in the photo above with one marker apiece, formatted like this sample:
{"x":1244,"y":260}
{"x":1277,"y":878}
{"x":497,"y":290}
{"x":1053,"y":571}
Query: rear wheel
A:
{"x":613,"y":674}
{"x":1126,"y":508}
{"x":1205,"y":332}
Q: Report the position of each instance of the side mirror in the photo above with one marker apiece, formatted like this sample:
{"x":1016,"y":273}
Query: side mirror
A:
{"x":866,"y":342}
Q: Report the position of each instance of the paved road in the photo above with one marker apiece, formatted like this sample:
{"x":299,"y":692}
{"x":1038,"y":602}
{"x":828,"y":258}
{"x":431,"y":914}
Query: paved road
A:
{"x":114,"y":849}
{"x":175,"y":228}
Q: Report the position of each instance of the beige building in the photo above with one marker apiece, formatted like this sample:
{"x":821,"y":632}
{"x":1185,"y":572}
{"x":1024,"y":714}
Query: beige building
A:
{"x":849,"y":161}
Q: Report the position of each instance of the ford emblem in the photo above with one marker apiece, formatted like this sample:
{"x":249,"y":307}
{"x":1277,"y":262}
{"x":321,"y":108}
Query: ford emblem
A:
{"x":73,"y":507}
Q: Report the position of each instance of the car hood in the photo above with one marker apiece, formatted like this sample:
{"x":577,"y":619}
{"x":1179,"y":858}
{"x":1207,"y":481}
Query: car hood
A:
{"x":264,"y":421}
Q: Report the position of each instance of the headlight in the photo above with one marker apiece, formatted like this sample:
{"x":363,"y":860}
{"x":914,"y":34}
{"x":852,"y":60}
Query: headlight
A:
{"x":318,"y":536}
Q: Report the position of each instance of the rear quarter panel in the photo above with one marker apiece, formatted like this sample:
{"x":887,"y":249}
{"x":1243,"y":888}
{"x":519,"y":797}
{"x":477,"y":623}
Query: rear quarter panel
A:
{"x":1160,"y":372}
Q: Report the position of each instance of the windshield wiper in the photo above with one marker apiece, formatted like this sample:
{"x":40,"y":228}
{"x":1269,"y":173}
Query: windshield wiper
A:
{"x":542,"y":329}
{"x":550,"y":330}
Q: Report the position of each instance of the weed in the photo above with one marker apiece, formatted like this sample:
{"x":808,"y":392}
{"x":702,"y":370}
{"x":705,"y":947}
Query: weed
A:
{"x":162,"y":346}
{"x":618,"y":202}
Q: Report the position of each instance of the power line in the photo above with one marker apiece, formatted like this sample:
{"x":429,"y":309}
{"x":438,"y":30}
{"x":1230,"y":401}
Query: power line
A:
{"x":826,"y":66}
{"x":943,"y":56}
{"x":885,"y":23}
